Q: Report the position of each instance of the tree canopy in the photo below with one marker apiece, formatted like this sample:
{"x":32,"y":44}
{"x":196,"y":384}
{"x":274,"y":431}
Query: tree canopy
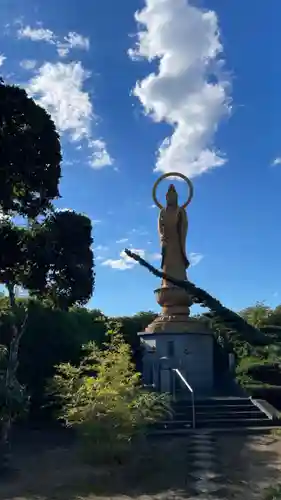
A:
{"x":30,"y":154}
{"x":68,"y":259}
{"x":51,"y":258}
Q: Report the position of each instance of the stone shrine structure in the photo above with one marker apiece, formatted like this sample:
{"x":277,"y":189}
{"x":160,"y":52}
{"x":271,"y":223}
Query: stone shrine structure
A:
{"x":174,"y":339}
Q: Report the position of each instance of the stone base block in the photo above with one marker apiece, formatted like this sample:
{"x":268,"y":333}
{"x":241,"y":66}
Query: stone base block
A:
{"x":191,"y":353}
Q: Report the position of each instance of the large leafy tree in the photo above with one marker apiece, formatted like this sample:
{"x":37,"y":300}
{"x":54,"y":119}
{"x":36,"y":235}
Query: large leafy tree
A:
{"x":30,"y":154}
{"x":50,"y":257}
{"x":30,"y":157}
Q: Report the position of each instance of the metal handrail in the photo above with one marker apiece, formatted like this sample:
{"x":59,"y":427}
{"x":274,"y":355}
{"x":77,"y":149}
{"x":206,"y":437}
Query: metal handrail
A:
{"x":180,"y":375}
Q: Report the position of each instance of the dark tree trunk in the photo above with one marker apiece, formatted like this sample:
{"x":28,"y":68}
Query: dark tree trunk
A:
{"x":10,"y":381}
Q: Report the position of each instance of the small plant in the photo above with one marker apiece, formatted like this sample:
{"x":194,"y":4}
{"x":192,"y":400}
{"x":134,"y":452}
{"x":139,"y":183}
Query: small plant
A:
{"x":103,"y":398}
{"x":273,"y":493}
{"x":276,"y":433}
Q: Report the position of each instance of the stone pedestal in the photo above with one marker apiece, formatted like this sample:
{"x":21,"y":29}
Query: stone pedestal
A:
{"x":175,"y":303}
{"x":191,"y":353}
{"x":174,"y":340}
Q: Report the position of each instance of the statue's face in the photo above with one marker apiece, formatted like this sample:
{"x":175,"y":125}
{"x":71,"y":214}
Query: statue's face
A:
{"x":172,"y":199}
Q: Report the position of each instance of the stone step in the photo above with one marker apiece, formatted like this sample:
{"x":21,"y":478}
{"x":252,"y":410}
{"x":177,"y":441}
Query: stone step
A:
{"x":211,"y":416}
{"x":214,"y":402}
{"x":184,"y":404}
{"x":189,"y":431}
{"x":213,"y":409}
{"x":221,"y":421}
{"x":216,"y":413}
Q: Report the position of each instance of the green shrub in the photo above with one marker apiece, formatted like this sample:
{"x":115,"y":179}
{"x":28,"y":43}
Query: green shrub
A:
{"x":273,"y":493}
{"x":264,"y":369}
{"x":103,"y":399}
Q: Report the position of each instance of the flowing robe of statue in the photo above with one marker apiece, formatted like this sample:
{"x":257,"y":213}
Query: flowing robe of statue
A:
{"x":172,"y":226}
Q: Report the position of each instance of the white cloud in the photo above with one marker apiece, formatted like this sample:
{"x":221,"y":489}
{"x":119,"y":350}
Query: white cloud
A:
{"x":155,"y":256}
{"x":96,"y":221}
{"x":139,"y":231}
{"x":72,"y":40}
{"x":123,"y":240}
{"x":99,"y":157}
{"x":100,"y":252}
{"x":189,"y":89}
{"x":276,"y":161}
{"x":68,"y":162}
{"x":59,"y":88}
{"x":65,"y":209}
{"x":62,"y":50}
{"x":2,"y":59}
{"x":28,"y":64}
{"x":76,"y":40}
{"x":195,"y":258}
{"x":101,"y":248}
{"x":124,"y":262}
{"x":37,"y":34}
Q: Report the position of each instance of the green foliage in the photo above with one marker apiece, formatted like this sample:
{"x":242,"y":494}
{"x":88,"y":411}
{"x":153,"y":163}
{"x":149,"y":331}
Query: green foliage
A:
{"x":103,"y":398}
{"x":275,"y":317}
{"x":68,"y":259}
{"x":12,"y":252}
{"x":13,"y":397}
{"x":53,"y":336}
{"x":53,"y":259}
{"x":275,"y":433}
{"x":257,"y":365}
{"x":21,"y":259}
{"x":131,"y":325}
{"x":30,"y":159}
{"x":13,"y":400}
{"x":30,"y":154}
{"x":273,"y":493}
{"x":257,"y":370}
{"x":256,"y":315}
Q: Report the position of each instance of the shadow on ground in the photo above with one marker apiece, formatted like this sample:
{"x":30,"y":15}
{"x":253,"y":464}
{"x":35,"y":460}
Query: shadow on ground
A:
{"x":49,"y":468}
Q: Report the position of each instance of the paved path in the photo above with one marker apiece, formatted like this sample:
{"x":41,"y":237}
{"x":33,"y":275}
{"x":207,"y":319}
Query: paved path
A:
{"x":204,"y":475}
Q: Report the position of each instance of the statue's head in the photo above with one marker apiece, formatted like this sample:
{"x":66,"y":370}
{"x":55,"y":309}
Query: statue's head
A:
{"x":172,"y":196}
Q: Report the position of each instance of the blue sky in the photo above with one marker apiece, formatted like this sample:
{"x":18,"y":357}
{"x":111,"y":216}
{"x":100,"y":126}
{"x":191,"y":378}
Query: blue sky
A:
{"x":205,"y":74}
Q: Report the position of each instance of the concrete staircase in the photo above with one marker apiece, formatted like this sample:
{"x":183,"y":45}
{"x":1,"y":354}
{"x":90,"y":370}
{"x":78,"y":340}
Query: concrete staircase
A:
{"x":219,"y":414}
